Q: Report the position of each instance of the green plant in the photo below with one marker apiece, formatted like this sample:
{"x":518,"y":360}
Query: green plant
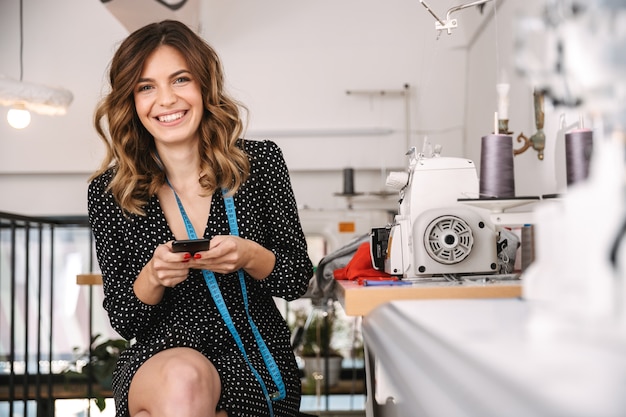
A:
{"x":318,"y":333}
{"x":98,"y":364}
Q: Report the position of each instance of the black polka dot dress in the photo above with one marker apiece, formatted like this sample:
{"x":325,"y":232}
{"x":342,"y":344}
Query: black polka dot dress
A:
{"x":187,"y":316}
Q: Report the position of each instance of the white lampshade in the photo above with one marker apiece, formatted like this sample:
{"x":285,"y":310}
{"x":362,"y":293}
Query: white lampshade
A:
{"x":18,"y":117}
{"x":34,"y":97}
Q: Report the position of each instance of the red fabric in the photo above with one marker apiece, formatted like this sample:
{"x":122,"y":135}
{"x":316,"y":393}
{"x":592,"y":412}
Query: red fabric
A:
{"x":360,"y":267}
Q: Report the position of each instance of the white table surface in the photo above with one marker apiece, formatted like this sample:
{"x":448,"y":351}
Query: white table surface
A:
{"x":493,"y":357}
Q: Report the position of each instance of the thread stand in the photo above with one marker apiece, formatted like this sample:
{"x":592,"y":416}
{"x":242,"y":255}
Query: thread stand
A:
{"x":538,"y":140}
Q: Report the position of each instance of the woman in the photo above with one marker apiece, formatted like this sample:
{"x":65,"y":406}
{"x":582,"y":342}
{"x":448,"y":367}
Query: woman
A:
{"x":174,"y":162}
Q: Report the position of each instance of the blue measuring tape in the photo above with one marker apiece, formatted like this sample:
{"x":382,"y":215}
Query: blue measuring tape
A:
{"x":211,"y":281}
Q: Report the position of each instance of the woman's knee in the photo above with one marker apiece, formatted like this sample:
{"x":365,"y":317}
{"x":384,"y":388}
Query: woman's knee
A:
{"x":186,"y":368}
{"x":176,"y":376}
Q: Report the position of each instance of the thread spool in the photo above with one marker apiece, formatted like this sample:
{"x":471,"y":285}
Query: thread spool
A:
{"x":497,"y":179}
{"x":348,"y":181}
{"x":528,"y":246}
{"x":578,"y":147}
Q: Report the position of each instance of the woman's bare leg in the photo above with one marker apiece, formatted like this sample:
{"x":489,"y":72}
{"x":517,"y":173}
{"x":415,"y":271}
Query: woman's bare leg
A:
{"x":177,"y":382}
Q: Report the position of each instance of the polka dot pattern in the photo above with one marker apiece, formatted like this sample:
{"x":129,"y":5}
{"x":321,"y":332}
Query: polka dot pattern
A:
{"x":187,"y":316}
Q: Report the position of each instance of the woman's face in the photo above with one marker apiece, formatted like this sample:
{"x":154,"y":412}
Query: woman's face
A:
{"x":168,"y":99}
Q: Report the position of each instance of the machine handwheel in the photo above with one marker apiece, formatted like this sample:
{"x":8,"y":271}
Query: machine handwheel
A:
{"x":448,"y":239}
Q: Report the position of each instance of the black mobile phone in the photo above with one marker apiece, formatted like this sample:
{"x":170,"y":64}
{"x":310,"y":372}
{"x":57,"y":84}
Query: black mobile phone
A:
{"x":192,"y":246}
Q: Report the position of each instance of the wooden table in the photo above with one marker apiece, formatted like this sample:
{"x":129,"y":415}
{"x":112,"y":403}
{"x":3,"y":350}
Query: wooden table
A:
{"x":89,"y":279}
{"x":359,"y":300}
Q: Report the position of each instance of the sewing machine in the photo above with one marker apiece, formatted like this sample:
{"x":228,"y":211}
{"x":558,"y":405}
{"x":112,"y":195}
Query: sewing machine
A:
{"x":433,"y":233}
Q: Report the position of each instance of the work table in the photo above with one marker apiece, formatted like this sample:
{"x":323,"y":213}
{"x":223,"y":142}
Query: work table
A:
{"x":359,"y":300}
{"x":489,"y":358}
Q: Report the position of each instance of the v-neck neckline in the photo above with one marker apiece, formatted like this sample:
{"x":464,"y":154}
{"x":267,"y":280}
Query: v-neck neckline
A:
{"x":175,"y":216}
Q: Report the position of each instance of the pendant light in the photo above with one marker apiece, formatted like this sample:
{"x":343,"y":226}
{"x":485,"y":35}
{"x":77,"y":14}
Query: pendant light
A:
{"x":24,"y":97}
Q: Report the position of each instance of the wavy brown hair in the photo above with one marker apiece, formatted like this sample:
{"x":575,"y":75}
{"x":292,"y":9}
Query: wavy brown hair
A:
{"x":130,"y":149}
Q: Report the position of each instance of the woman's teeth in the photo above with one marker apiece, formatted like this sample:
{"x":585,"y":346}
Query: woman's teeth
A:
{"x":171,"y":117}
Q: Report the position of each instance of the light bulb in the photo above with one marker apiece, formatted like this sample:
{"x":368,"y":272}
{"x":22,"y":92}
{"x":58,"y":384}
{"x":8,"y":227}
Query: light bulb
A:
{"x":18,"y":117}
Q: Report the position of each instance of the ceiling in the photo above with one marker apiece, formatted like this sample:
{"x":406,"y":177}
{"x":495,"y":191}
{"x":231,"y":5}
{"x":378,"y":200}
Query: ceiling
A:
{"x":134,"y":14}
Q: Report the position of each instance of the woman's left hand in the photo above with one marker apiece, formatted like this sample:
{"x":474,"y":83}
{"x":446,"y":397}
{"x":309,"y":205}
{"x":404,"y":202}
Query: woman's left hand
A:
{"x":229,"y":253}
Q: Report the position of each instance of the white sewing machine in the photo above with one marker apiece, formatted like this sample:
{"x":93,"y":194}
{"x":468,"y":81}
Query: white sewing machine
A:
{"x":433,"y":233}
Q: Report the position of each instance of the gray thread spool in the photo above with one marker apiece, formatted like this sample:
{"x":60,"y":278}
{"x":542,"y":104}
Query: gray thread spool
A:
{"x":497,"y":178}
{"x":348,"y":181}
{"x":578,"y":147}
{"x":528,"y":246}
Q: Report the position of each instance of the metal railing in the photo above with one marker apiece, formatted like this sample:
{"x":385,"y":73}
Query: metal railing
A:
{"x":37,"y":259}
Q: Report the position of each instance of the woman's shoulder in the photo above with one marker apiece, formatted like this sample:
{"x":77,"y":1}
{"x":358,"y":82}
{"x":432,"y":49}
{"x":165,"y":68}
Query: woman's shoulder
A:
{"x":100,"y":182}
{"x":261,"y":149}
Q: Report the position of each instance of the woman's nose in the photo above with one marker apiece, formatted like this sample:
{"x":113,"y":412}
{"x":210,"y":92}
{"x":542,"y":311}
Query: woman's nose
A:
{"x":167,"y":97}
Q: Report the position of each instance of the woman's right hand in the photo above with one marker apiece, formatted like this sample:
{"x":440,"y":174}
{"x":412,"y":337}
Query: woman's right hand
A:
{"x":165,"y":269}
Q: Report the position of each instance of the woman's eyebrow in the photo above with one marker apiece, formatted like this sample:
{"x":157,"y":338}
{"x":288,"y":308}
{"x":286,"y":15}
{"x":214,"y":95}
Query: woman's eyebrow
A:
{"x":173,"y":75}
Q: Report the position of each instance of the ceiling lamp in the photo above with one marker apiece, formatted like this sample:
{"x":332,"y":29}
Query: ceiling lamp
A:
{"x":24,"y":97}
{"x":34,"y":97}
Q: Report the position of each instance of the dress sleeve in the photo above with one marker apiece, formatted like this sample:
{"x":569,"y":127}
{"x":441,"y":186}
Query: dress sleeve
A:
{"x":128,"y":315}
{"x":284,"y":236}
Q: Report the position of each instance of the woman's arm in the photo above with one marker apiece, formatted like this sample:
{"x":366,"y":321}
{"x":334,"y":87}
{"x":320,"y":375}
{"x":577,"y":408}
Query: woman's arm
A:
{"x":284,"y":237}
{"x":127,"y":313}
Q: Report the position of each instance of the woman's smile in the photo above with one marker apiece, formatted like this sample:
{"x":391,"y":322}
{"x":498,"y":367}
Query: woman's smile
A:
{"x":171,"y":117}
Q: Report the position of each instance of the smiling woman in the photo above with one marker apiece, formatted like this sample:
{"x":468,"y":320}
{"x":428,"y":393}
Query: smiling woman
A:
{"x":210,"y":340}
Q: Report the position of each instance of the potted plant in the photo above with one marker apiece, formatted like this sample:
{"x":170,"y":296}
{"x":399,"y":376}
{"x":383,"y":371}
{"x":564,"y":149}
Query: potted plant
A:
{"x":315,"y":347}
{"x":96,"y":364}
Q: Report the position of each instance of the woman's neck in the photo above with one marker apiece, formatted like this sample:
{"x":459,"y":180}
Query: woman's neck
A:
{"x":182,"y":167}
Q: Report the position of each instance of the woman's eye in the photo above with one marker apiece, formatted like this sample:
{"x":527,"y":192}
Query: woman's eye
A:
{"x":181,"y":80}
{"x":143,"y":88}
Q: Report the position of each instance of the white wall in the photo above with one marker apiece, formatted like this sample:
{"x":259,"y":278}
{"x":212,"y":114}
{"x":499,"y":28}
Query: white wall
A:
{"x":291,"y":63}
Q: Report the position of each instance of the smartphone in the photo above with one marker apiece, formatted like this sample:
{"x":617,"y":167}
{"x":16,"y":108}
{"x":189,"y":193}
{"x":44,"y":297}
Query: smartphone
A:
{"x":192,"y":246}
